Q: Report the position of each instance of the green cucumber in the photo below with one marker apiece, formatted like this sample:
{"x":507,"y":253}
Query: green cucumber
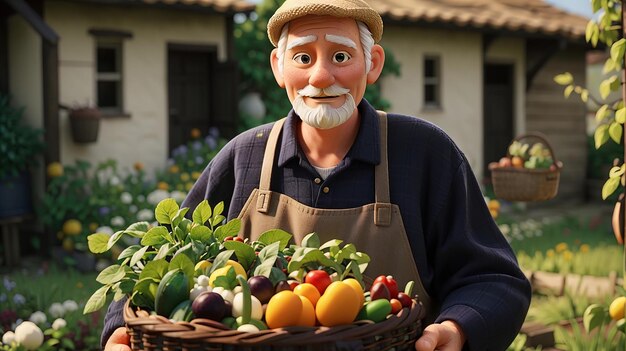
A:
{"x":408,"y":288}
{"x":378,"y":310}
{"x":173,"y":289}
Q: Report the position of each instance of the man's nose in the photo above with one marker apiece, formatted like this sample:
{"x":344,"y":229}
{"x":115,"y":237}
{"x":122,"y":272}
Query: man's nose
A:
{"x":322,"y":75}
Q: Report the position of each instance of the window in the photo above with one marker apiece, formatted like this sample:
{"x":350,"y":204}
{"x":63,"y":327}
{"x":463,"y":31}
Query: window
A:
{"x":109,"y":73}
{"x":109,"y":76}
{"x":432,"y":82}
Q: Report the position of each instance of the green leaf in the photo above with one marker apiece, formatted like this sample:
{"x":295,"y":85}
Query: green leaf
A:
{"x":111,"y":274}
{"x":139,"y":227}
{"x":602,"y":113}
{"x":313,"y":256}
{"x":276,"y":275}
{"x":311,"y":240}
{"x":589,"y":30}
{"x":98,"y":242}
{"x":185,"y":264}
{"x":201,"y":233}
{"x":97,"y":300}
{"x":620,"y":115}
{"x":617,"y":171}
{"x":615,"y":131}
{"x":275,"y":235}
{"x":244,"y":252}
{"x":219,"y":208}
{"x":202,"y":213}
{"x":113,"y":239}
{"x":593,"y":317}
{"x":617,"y":50}
{"x":596,"y":5}
{"x":564,"y":79}
{"x":269,"y":252}
{"x":227,"y":281}
{"x":345,"y":252}
{"x":166,"y":210}
{"x":138,"y":255}
{"x":608,"y":85}
{"x":609,"y":66}
{"x":331,"y":243}
{"x":584,"y":95}
{"x":155,"y":269}
{"x":609,"y":187}
{"x":156,"y":236}
{"x":163,"y":251}
{"x":231,"y":228}
{"x":568,"y":91}
{"x":128,"y":252}
{"x":180,"y":215}
{"x":601,"y":135}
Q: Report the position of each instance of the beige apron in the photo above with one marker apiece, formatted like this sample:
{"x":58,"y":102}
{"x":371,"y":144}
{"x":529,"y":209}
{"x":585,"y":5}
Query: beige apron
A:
{"x":375,"y":229}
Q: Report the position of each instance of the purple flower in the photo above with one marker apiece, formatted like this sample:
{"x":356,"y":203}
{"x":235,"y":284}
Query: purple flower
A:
{"x":18,"y":299}
{"x":179,"y":151}
{"x":103,"y":211}
{"x":214,"y":132}
{"x":199,"y":160}
{"x":8,"y":284}
{"x":211,"y":142}
{"x":197,"y":145}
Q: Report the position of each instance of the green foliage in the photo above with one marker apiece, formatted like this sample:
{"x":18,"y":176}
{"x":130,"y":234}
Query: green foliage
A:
{"x":19,"y":143}
{"x":606,"y":29}
{"x":253,"y":49}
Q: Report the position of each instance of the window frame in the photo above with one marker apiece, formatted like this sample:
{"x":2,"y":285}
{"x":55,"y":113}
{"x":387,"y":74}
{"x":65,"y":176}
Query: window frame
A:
{"x":432,"y":81}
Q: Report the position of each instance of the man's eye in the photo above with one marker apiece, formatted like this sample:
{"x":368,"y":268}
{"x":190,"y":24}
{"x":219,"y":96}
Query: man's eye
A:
{"x":303,"y":59}
{"x":341,"y":56}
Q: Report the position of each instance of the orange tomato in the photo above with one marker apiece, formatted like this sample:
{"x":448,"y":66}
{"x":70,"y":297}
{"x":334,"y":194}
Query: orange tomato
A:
{"x":338,"y":305}
{"x":307,"y":317}
{"x":354,"y":284}
{"x":309,"y":291}
{"x":396,"y":306}
{"x":517,"y":162}
{"x":283,"y":310}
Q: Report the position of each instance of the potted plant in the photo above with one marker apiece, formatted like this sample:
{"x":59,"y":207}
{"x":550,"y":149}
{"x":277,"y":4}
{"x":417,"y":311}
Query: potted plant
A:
{"x":20,"y":145}
{"x":84,"y":123}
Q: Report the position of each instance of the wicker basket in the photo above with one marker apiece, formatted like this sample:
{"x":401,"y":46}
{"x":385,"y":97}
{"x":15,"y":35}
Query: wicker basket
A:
{"x":148,"y":333}
{"x":523,"y":184}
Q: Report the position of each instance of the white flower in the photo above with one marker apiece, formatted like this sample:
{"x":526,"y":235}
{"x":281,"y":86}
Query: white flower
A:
{"x":179,"y":196}
{"x":145,"y":215}
{"x":132,"y":208}
{"x":8,"y":337}
{"x":38,"y":317}
{"x":18,"y":299}
{"x":70,"y":305}
{"x":115,"y":181}
{"x":56,"y":310}
{"x":117,"y":221}
{"x":29,"y":335}
{"x":141,"y":198}
{"x":126,"y":198}
{"x":105,"y":230}
{"x":59,"y":323}
{"x":157,"y":196}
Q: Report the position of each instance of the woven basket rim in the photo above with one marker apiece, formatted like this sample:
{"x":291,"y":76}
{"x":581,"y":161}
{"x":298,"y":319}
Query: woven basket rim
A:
{"x":215,"y":332}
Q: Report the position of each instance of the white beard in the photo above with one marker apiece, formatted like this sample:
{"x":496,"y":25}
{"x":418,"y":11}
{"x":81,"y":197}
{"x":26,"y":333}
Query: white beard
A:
{"x":324,"y":116}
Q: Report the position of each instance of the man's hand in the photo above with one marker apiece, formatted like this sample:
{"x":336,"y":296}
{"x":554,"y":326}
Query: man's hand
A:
{"x":446,"y":336}
{"x":119,"y":341}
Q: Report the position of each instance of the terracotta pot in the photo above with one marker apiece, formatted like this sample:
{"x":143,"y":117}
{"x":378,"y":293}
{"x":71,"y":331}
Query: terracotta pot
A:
{"x":85,"y":124}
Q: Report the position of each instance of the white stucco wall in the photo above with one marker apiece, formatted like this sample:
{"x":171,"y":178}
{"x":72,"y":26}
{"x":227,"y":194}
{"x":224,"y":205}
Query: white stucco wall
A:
{"x":460,"y":55}
{"x":142,"y":137}
{"x":460,"y":52}
{"x":25,"y":66}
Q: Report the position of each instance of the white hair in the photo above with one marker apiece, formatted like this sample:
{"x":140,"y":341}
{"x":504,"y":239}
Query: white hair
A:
{"x":367,"y":42}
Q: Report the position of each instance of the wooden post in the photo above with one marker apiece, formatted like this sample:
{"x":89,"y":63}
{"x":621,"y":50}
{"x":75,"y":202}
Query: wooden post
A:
{"x":623,"y":209}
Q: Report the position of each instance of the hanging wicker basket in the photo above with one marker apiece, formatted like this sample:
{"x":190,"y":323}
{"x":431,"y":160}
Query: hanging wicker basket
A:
{"x":151,"y":333}
{"x":524,"y":184}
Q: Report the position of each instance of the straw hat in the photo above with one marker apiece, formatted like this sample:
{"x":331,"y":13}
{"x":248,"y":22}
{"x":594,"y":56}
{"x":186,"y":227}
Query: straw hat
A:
{"x":292,"y":9}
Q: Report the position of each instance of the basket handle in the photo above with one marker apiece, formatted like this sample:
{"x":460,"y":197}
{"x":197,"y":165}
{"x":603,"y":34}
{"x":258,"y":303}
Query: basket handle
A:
{"x":539,"y":136}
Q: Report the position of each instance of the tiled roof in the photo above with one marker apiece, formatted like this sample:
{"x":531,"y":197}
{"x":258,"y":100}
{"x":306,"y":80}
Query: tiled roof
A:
{"x":223,"y":6}
{"x":526,"y":16}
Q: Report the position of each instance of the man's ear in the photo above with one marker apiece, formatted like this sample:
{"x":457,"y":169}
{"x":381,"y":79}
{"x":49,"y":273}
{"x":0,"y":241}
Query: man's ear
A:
{"x":378,"y":61}
{"x":275,"y":69}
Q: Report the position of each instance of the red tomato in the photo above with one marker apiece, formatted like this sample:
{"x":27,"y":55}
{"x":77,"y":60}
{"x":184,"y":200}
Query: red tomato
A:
{"x":319,"y":278}
{"x":391,"y":284}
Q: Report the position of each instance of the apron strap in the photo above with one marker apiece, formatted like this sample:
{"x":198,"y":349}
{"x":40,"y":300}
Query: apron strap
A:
{"x":263,"y":200}
{"x":382,"y":207}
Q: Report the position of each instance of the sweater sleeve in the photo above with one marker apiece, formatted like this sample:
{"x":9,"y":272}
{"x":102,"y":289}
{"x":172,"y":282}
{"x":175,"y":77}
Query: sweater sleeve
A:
{"x":478,"y":280}
{"x":113,"y":320}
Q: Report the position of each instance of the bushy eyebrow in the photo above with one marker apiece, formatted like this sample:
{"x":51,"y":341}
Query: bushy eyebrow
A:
{"x":341,"y":40}
{"x":301,"y":41}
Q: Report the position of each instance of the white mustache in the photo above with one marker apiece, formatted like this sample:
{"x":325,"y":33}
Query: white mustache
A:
{"x":333,"y":90}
